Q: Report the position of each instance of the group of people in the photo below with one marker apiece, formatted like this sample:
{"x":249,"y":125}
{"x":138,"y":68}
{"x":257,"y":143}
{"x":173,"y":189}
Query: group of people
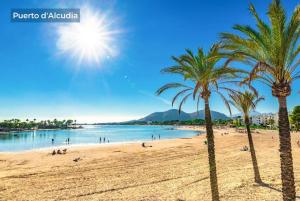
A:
{"x":104,"y":140}
{"x":101,"y":140}
{"x":154,"y":138}
{"x":67,"y":141}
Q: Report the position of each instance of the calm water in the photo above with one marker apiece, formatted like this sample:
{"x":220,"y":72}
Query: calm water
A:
{"x":88,"y":135}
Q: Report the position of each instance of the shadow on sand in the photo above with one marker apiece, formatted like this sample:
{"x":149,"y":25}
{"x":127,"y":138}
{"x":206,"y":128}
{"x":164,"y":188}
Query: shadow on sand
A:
{"x":263,"y":184}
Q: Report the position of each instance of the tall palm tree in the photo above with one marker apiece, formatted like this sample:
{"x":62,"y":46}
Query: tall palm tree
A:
{"x":203,"y":72}
{"x":273,"y":49}
{"x":246,"y":102}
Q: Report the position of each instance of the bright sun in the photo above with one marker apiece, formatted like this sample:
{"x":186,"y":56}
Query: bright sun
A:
{"x":90,"y":41}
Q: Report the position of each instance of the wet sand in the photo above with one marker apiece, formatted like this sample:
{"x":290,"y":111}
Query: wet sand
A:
{"x":169,"y":170}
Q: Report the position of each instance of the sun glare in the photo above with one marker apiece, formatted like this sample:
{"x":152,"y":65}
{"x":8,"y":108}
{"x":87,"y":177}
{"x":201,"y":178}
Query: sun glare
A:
{"x":90,"y":41}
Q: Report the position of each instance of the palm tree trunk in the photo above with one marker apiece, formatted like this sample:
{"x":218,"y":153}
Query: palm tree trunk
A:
{"x":286,"y":159}
{"x":211,"y":153}
{"x":257,"y":178}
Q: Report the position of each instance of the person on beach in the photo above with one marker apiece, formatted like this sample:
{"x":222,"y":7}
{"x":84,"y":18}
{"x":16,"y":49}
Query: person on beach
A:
{"x":68,"y":140}
{"x":159,"y":136}
{"x":104,"y":140}
{"x":52,"y":141}
{"x":100,"y":140}
{"x":107,"y":140}
{"x":152,"y":137}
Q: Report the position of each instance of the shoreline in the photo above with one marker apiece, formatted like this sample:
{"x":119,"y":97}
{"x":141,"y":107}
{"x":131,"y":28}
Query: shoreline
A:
{"x":76,"y":147}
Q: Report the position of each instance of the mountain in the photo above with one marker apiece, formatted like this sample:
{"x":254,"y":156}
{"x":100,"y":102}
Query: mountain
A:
{"x":214,"y":115}
{"x":252,"y":114}
{"x":167,"y":116}
{"x":174,"y":115}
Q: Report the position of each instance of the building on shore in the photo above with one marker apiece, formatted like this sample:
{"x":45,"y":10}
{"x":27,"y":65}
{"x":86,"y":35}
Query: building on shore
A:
{"x":266,"y":119}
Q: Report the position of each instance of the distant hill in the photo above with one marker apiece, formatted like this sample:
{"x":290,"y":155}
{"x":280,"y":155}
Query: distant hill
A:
{"x":167,"y":116}
{"x":214,"y":115}
{"x":174,"y":115}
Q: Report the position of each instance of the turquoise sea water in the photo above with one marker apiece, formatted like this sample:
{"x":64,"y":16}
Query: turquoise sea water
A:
{"x":88,"y":135}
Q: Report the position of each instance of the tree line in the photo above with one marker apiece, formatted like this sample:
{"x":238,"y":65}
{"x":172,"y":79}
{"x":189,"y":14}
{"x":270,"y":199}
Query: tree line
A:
{"x":17,"y":124}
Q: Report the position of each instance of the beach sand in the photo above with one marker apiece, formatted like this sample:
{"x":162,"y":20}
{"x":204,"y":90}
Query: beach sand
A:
{"x":169,"y":170}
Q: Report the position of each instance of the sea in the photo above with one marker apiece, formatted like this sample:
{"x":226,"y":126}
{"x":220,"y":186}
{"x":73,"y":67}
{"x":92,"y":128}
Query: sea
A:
{"x":89,"y":135}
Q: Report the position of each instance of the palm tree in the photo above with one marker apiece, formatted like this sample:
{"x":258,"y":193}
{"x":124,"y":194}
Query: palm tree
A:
{"x":245,"y":103}
{"x":202,"y":70}
{"x":273,"y":50}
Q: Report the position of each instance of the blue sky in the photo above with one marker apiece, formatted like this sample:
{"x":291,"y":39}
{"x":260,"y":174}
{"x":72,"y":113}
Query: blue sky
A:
{"x":39,"y":82}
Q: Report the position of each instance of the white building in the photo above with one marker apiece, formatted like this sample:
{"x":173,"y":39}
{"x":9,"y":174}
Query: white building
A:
{"x":267,"y":119}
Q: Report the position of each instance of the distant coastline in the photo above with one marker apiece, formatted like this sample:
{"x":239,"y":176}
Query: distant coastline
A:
{"x":16,"y":125}
{"x":4,"y":131}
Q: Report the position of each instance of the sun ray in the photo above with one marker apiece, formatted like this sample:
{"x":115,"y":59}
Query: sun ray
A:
{"x":91,"y":41}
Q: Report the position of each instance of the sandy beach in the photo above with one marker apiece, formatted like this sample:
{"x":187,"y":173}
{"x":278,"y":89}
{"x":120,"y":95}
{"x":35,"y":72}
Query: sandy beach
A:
{"x":169,"y":170}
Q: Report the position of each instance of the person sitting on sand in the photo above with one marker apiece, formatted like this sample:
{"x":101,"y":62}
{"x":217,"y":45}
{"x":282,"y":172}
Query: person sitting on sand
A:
{"x":58,"y":151}
{"x":53,"y":152}
{"x":76,"y":159}
{"x":245,"y":148}
{"x":144,"y":145}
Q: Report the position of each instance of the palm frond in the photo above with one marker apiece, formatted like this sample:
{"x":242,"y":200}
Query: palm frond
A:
{"x":183,"y":101}
{"x":226,"y":102}
{"x":180,"y":94}
{"x":169,"y":86}
{"x":272,"y":46}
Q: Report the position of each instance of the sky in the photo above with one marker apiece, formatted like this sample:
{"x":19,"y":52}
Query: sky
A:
{"x":46,"y":74}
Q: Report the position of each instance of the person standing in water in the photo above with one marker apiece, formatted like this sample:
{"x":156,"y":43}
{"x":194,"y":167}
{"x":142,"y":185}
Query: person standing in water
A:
{"x":68,"y":140}
{"x":103,"y":139}
{"x":159,"y":136}
{"x":52,"y":141}
{"x":100,"y":140}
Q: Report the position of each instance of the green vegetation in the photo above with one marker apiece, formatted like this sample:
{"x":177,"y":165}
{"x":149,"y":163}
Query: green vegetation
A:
{"x":295,"y":118}
{"x":18,"y":125}
{"x":194,"y":122}
{"x":239,"y":123}
{"x":177,"y":122}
